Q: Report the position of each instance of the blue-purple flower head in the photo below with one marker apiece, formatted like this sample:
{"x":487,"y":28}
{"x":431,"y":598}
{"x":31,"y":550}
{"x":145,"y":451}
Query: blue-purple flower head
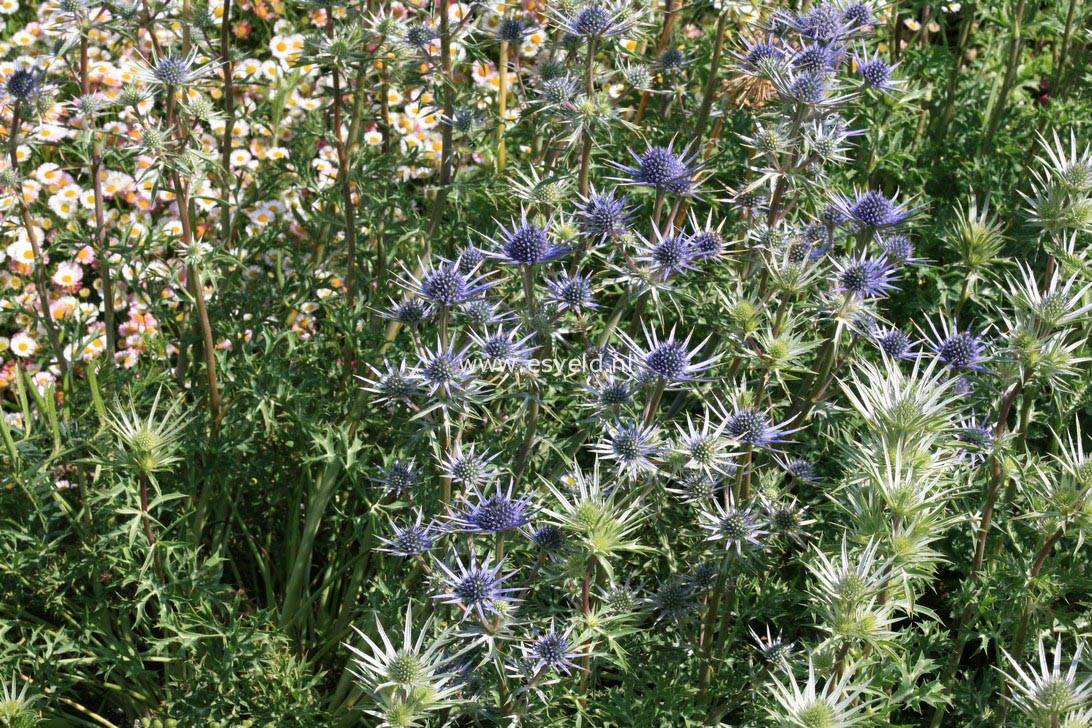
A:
{"x":552,"y":650}
{"x":737,"y":526}
{"x":892,"y":342}
{"x":392,"y":385}
{"x":875,"y":72}
{"x":899,"y":248}
{"x":977,"y":438}
{"x":759,"y":55}
{"x":817,"y":57}
{"x":662,"y":169}
{"x":958,"y":349}
{"x":873,"y":210}
{"x":809,"y":87}
{"x":598,"y":20}
{"x":673,"y":601}
{"x":476,"y":587}
{"x":824,"y":22}
{"x":511,"y":30}
{"x":752,"y":426}
{"x":446,"y":372}
{"x":668,"y":255}
{"x":601,"y":216}
{"x":671,"y":359}
{"x":23,"y":85}
{"x":469,"y":467}
{"x":498,"y":511}
{"x":572,"y":291}
{"x":507,"y":346}
{"x":632,"y":446}
{"x":865,"y":276}
{"x":857,"y":15}
{"x":446,"y":283}
{"x":399,"y":478}
{"x":409,"y":311}
{"x":524,"y":243}
{"x":411,"y":540}
{"x":547,"y":537}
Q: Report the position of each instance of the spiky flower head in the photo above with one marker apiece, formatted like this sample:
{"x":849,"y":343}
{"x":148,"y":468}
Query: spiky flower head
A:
{"x":663,"y":169}
{"x":469,"y":467}
{"x":776,"y":651}
{"x":673,"y":600}
{"x":24,"y":84}
{"x":670,"y":358}
{"x":499,"y":511}
{"x":399,"y":478}
{"x":524,"y":243}
{"x":392,"y":385}
{"x":632,"y":446}
{"x":476,"y":587}
{"x":149,"y":444}
{"x":412,"y":539}
{"x":876,"y":73}
{"x":835,"y":704}
{"x":551,"y":650}
{"x":752,"y":426}
{"x":739,"y":527}
{"x":959,"y":350}
{"x":865,"y":276}
{"x":1044,"y":696}
{"x":601,"y":216}
{"x":873,"y":210}
{"x":572,"y":292}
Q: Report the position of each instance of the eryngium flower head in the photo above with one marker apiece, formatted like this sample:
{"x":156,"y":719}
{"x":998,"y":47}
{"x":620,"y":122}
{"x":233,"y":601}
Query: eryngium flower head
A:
{"x":892,"y":342}
{"x":525,"y":244}
{"x":876,"y":73}
{"x":476,"y":587}
{"x":445,"y":283}
{"x":468,"y":467}
{"x":547,"y":537}
{"x":572,"y":292}
{"x":551,"y":650}
{"x":602,"y":216}
{"x":824,"y":22}
{"x":673,"y":600}
{"x":173,"y":71}
{"x":446,"y":373}
{"x":500,"y":511}
{"x":752,"y":426}
{"x":23,"y":85}
{"x":738,"y":527}
{"x":399,"y":478}
{"x":669,"y":358}
{"x":836,"y":704}
{"x":149,"y":444}
{"x":667,"y":256}
{"x":776,"y":651}
{"x":958,"y":349}
{"x":864,"y":276}
{"x":597,"y":20}
{"x":759,"y":56}
{"x":411,"y":540}
{"x":511,"y":30}
{"x":631,"y":445}
{"x":873,"y":210}
{"x":505,"y":346}
{"x":662,"y":169}
{"x":857,"y":15}
{"x":1045,"y":695}
{"x":392,"y":385}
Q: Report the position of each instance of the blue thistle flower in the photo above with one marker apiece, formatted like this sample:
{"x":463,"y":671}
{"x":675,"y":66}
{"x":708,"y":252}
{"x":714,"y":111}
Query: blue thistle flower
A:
{"x":857,"y":15}
{"x":552,"y":651}
{"x":751,"y":426}
{"x":759,"y":54}
{"x":703,"y":576}
{"x":739,"y":527}
{"x":832,"y":216}
{"x":672,"y":60}
{"x":446,"y":372}
{"x":893,"y":342}
{"x":876,"y":73}
{"x":393,"y":385}
{"x":525,"y":244}
{"x":603,"y":216}
{"x":476,"y":587}
{"x":801,"y":468}
{"x":412,"y":540}
{"x":673,"y":600}
{"x":816,"y":57}
{"x":419,"y":35}
{"x":824,"y":22}
{"x":399,"y":478}
{"x":864,"y":276}
{"x":547,"y":537}
{"x":480,"y":311}
{"x":899,"y":248}
{"x":409,"y":311}
{"x":977,"y":436}
{"x":505,"y":346}
{"x":958,"y":349}
{"x":669,"y":255}
{"x":572,"y":292}
{"x":611,"y":393}
{"x":558,"y":91}
{"x":23,"y":85}
{"x":494,"y":513}
{"x":669,"y":358}
{"x":468,"y":467}
{"x":631,"y":445}
{"x":597,"y":20}
{"x":511,"y":30}
{"x":662,"y":169}
{"x":873,"y":210}
{"x":446,"y":283}
{"x":809,"y":87}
